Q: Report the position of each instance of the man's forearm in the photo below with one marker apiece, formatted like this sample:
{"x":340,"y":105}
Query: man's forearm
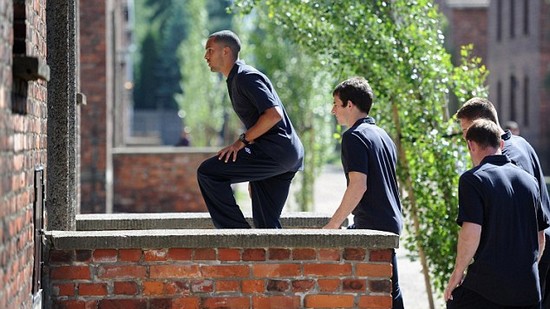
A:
{"x":266,"y":121}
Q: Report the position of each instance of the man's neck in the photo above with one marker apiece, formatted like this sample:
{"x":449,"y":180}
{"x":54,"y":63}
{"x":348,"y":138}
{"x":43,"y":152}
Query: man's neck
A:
{"x":355,"y":117}
{"x":227,"y":69}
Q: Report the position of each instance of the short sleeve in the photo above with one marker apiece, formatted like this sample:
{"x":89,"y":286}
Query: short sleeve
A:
{"x":356,"y":154}
{"x":470,"y":200}
{"x":258,"y":91}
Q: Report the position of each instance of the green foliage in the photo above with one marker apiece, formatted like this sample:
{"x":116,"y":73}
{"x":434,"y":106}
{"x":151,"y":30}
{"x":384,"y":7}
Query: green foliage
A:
{"x":203,"y":98}
{"x":297,"y":77}
{"x":398,"y":46}
{"x":160,"y":30}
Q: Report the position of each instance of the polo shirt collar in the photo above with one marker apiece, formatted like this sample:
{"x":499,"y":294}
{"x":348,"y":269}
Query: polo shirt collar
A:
{"x":235,"y":69}
{"x":368,"y":120}
{"x":506,"y":136}
{"x":496,"y":160}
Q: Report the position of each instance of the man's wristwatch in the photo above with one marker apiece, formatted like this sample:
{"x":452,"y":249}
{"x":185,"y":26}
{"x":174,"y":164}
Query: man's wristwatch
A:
{"x":242,"y":138}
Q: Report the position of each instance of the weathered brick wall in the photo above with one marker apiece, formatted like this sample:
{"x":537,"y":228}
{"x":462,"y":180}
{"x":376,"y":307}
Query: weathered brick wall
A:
{"x":157,"y":179}
{"x":93,"y":77}
{"x":22,"y":148}
{"x":282,"y":277}
{"x":469,"y":26}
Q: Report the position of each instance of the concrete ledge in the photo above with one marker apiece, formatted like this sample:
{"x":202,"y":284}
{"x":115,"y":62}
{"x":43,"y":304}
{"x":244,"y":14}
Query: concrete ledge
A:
{"x":223,"y":238}
{"x":147,"y":221}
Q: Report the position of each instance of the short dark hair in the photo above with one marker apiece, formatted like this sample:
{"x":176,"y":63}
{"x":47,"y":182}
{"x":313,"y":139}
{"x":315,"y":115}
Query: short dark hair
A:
{"x":356,"y":90}
{"x":485,"y":133}
{"x":477,"y":108}
{"x":228,"y":39}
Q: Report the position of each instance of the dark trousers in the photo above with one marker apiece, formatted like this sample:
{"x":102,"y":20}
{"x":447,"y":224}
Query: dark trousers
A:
{"x":269,"y":185}
{"x":464,"y":298}
{"x":544,"y":275}
{"x":397,"y":302}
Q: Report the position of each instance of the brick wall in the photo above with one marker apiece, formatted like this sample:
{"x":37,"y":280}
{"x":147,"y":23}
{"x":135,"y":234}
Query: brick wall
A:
{"x":316,"y":269}
{"x":93,"y":68}
{"x":157,"y":179}
{"x":469,"y":26}
{"x":22,"y":148}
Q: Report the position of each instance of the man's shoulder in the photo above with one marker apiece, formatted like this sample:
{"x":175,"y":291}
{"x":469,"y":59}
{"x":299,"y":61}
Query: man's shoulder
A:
{"x":518,"y":143}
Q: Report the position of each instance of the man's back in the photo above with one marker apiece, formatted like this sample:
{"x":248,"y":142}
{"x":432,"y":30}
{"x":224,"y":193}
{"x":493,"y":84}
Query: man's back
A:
{"x":504,"y":200}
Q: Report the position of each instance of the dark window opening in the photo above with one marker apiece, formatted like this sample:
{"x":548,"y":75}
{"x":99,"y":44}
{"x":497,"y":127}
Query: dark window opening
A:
{"x":512,"y":19}
{"x":526,"y":17}
{"x":499,"y":98}
{"x":19,"y":90}
{"x":526,"y":102}
{"x":499,"y":20}
{"x":513,"y":86}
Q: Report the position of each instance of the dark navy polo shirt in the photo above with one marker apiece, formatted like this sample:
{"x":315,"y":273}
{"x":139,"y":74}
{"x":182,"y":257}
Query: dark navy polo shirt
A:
{"x":523,"y":155}
{"x":368,"y":149}
{"x":251,"y":93}
{"x":505,"y":201}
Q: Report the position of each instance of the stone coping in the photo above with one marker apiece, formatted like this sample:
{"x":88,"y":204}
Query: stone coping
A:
{"x":221,"y":238}
{"x":163,"y":150}
{"x":198,"y":220}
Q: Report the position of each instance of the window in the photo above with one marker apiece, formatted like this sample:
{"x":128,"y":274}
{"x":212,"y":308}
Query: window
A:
{"x":19,"y":88}
{"x":526,"y":17}
{"x":512,"y":19}
{"x":513,"y":88}
{"x":499,"y":20}
{"x":499,"y":98}
{"x":526,"y":102}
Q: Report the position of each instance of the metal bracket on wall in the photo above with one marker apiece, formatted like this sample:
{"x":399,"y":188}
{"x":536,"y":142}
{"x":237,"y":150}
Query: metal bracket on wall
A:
{"x":30,"y":68}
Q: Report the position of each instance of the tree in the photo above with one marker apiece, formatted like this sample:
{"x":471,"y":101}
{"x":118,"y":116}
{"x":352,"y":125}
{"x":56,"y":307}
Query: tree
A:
{"x":398,"y":46}
{"x":160,"y":31}
{"x":204,"y":100}
{"x":297,"y":77}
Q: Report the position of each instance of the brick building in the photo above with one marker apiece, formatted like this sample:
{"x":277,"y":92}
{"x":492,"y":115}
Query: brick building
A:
{"x":23,"y":114}
{"x":513,"y":39}
{"x":519,"y":62}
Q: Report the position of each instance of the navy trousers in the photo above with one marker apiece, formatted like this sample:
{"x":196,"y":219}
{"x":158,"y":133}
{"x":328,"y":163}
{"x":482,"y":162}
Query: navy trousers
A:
{"x":464,"y":298}
{"x":269,"y":185}
{"x":544,"y":274}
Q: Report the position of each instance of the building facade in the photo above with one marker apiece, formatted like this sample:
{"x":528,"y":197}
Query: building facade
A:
{"x":23,"y":143}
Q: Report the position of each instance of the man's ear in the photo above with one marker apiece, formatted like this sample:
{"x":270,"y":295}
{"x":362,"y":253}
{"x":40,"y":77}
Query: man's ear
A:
{"x":471,"y":145}
{"x":501,"y":144}
{"x":349,"y":103}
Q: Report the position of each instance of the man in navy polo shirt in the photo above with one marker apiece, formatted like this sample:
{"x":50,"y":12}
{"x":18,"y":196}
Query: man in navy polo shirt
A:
{"x":369,"y":158}
{"x":521,"y":153}
{"x":502,"y":229}
{"x":267,"y":155}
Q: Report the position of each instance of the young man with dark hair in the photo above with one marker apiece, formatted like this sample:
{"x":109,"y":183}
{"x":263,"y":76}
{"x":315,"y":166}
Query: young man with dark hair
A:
{"x":521,"y":153}
{"x":369,"y":159}
{"x":267,"y":155}
{"x":502,"y":229}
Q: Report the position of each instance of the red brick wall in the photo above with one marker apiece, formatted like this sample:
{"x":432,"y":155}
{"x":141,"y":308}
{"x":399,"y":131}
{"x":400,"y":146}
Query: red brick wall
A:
{"x":157,"y":181}
{"x":22,"y":148}
{"x":93,"y":68}
{"x":469,"y":26}
{"x":221,"y":278}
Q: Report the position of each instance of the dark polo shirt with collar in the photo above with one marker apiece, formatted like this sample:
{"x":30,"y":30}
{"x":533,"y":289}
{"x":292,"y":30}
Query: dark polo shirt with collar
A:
{"x":368,"y":149}
{"x":505,"y":201}
{"x":251,"y":93}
